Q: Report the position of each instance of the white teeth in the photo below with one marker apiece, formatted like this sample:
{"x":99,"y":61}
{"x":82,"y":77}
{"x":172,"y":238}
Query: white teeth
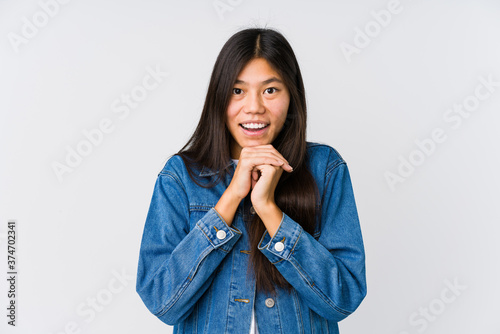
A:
{"x":254,"y":125}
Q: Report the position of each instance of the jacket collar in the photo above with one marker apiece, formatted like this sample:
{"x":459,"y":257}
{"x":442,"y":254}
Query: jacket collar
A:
{"x":205,"y":171}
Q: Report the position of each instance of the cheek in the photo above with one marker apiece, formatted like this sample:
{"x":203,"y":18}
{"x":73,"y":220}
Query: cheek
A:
{"x":281,"y":110}
{"x":231,"y":115}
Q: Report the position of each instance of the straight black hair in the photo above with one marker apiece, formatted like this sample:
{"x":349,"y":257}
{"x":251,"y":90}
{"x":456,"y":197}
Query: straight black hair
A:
{"x":210,"y":145}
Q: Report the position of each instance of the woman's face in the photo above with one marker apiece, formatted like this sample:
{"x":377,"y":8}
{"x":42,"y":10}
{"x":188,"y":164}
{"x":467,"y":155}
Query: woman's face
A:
{"x":258,"y":106}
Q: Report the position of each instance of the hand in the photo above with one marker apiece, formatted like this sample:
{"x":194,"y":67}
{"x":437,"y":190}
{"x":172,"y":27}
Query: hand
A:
{"x":262,"y":196}
{"x":252,"y":163}
{"x":264,"y":181}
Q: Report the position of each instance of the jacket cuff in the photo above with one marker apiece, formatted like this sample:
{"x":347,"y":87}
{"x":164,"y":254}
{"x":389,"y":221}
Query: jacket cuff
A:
{"x":218,"y":233}
{"x":281,"y":246}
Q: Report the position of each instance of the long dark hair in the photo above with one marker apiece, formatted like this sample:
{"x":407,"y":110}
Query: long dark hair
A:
{"x":209,"y":147}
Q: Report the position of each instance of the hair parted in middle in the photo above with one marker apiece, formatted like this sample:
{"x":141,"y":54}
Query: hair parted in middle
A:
{"x":210,"y":145}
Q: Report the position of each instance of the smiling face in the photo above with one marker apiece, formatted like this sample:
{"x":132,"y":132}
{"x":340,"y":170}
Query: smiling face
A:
{"x":258,"y":106}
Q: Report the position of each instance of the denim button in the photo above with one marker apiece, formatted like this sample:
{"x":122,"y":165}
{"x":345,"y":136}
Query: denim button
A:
{"x":221,"y":234}
{"x":252,"y":210}
{"x":269,"y":302}
{"x":279,"y":246}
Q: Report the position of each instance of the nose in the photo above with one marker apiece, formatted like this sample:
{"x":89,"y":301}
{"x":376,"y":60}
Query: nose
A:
{"x":254,"y":104}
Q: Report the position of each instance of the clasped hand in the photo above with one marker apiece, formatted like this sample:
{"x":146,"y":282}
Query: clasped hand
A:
{"x":259,"y":170}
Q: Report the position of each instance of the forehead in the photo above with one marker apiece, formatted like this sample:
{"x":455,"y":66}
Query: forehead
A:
{"x":257,"y":70}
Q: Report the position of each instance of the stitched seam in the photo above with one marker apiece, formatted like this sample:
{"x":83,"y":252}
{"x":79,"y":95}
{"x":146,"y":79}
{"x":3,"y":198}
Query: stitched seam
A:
{"x":209,"y":240}
{"x":208,"y":307}
{"x":222,"y":249}
{"x":196,"y":319}
{"x":175,"y":178}
{"x":311,"y":316}
{"x":199,"y":207}
{"x":220,"y":217}
{"x":280,"y":260}
{"x":179,"y":293}
{"x":299,"y":312}
{"x":318,"y":292}
{"x":276,"y":303}
{"x":198,"y":261}
{"x":291,"y":250}
{"x":330,"y":148}
{"x":230,"y":292}
{"x":295,"y":244}
{"x":333,"y":166}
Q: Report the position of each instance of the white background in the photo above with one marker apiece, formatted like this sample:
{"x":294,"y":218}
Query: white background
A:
{"x":78,"y":233}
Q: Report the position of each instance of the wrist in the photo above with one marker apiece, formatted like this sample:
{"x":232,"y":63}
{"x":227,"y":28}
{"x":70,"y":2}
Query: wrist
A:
{"x":227,"y":205}
{"x":232,"y":193}
{"x":271,"y":215}
{"x":262,"y":208}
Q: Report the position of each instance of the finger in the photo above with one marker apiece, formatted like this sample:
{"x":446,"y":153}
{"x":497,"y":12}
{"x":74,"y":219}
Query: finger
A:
{"x":268,"y":160}
{"x":265,"y":156}
{"x":268,"y":149}
{"x":255,"y":174}
{"x":263,"y":148}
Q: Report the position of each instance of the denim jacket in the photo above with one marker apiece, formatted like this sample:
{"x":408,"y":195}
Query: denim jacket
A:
{"x":193,"y":267}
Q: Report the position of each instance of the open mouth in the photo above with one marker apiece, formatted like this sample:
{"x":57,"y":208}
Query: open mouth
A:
{"x":254,"y":127}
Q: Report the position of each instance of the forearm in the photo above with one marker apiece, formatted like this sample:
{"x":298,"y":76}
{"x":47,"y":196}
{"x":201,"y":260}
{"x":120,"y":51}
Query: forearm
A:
{"x":328,"y":270}
{"x":271,"y":215}
{"x":170,"y":283}
{"x":331,"y":281}
{"x":176,"y":261}
{"x":227,"y":205}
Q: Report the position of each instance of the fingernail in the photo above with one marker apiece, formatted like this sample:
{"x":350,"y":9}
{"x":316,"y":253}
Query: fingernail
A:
{"x":291,"y":168}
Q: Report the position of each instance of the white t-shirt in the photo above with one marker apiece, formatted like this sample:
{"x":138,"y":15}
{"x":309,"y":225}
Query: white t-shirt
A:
{"x":253,"y":325}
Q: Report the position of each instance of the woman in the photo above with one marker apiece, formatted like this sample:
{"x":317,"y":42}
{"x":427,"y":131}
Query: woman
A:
{"x":251,"y":229}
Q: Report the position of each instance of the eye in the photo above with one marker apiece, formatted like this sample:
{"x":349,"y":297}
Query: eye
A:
{"x":237,"y":91}
{"x":271,"y":90}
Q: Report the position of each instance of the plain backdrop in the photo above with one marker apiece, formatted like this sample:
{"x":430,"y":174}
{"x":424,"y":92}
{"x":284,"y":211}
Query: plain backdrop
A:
{"x":407,"y":91}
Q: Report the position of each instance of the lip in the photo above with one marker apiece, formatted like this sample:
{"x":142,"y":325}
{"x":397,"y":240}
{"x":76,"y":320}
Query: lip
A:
{"x":256,"y":122}
{"x":254,"y":133}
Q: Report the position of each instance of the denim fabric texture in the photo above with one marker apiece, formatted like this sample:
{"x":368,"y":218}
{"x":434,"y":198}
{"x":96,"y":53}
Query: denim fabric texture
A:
{"x":193,"y":267}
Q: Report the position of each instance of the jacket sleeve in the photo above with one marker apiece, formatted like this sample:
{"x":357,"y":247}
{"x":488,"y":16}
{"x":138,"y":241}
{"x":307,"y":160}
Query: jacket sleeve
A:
{"x":328,"y":273}
{"x":176,"y":264}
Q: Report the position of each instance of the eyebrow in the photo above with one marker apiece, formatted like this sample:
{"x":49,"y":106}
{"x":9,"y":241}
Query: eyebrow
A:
{"x":265,"y":82}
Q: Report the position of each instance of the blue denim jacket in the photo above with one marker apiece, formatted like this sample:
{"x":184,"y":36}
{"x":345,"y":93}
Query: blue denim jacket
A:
{"x":192,"y":270}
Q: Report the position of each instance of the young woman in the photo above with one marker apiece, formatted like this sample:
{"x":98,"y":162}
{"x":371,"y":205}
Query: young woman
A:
{"x":251,"y":229}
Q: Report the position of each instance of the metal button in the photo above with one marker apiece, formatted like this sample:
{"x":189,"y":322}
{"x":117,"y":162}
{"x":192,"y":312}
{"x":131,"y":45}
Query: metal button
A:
{"x":279,"y":246}
{"x":252,"y":210}
{"x":221,"y":234}
{"x":269,"y":302}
